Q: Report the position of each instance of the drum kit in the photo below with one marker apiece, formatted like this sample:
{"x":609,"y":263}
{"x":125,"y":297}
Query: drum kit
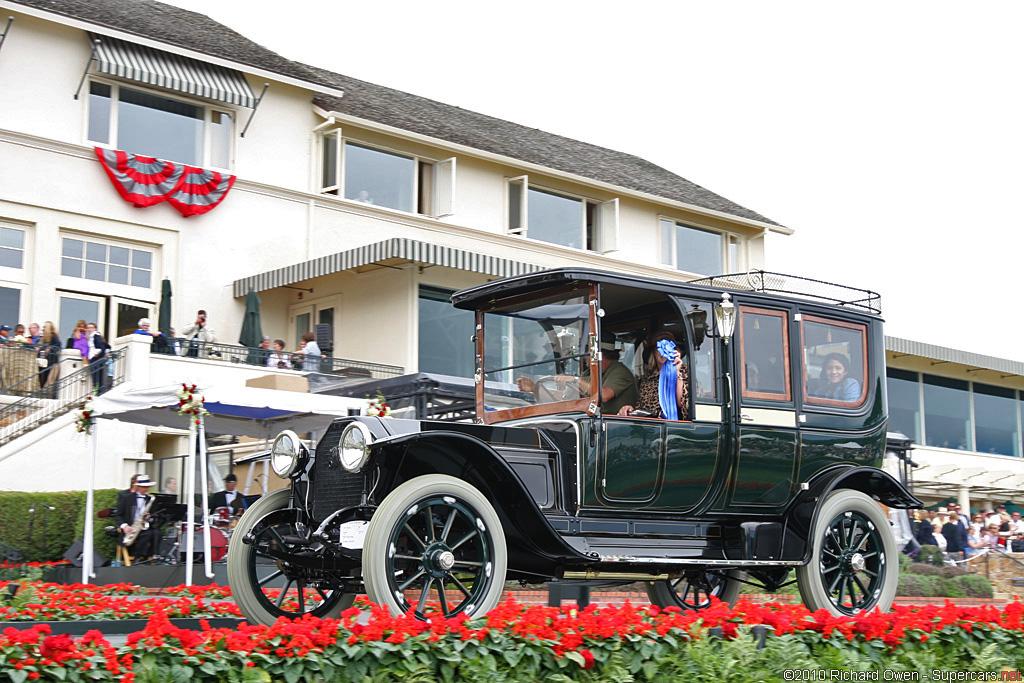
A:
{"x":222,"y":524}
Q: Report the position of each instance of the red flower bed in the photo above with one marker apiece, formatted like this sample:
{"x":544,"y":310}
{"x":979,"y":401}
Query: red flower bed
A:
{"x":367,"y":639}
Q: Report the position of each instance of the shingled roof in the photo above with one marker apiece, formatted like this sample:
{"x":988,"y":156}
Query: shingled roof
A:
{"x":197,"y":32}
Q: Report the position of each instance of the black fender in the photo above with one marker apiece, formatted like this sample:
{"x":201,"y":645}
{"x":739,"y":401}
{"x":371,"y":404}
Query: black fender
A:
{"x":802,"y":514}
{"x":533,"y":545}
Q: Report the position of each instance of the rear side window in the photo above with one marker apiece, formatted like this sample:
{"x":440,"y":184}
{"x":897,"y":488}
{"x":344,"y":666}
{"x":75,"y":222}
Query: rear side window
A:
{"x":835,"y":362}
{"x":764,"y":345}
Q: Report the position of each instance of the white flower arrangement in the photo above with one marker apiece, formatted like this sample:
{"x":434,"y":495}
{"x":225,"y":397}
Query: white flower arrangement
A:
{"x":84,"y":422}
{"x":191,"y":403}
{"x":378,"y":406}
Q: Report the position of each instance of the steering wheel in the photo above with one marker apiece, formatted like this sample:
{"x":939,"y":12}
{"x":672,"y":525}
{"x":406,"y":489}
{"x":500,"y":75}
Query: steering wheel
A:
{"x":551,"y":388}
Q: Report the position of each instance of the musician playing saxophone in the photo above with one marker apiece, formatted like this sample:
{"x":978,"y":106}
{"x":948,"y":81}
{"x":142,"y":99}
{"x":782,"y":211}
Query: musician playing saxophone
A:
{"x":131,"y":510}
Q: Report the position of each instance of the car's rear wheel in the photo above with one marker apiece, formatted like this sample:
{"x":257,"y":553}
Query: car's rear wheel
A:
{"x":263,"y":584}
{"x":693,"y":590}
{"x":435,"y":541}
{"x":854,"y":562}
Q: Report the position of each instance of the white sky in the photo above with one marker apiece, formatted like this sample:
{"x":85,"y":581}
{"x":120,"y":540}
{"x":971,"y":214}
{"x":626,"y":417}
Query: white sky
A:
{"x":887,"y":134}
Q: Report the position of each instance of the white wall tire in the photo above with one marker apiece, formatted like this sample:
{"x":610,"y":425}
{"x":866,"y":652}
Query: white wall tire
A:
{"x":854,"y":564}
{"x":433,"y":534}
{"x":254,"y":577}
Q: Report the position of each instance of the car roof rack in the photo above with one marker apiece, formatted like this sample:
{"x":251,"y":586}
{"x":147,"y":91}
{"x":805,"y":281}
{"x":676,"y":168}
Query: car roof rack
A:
{"x":795,"y":285}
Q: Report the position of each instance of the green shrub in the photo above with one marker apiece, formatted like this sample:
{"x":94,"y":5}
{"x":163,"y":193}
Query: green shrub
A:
{"x":974,"y":585}
{"x":931,"y":554}
{"x":62,"y":525}
{"x":948,"y":588}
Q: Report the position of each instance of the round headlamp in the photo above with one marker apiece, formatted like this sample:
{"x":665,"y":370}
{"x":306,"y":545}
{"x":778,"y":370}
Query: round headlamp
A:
{"x":285,"y":453}
{"x":355,"y":446}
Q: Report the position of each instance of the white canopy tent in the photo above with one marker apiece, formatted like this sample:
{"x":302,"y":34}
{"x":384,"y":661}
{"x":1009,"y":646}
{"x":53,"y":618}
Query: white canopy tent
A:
{"x":239,"y":411}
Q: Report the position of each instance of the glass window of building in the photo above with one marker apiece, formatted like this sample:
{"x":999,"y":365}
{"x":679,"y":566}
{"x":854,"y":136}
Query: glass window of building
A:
{"x":12,"y":247}
{"x":116,"y":264}
{"x":373,"y":176}
{"x":995,"y":415}
{"x":764,"y":349}
{"x":10,"y":305}
{"x":560,"y":218}
{"x":142,"y":122}
{"x":695,"y":250}
{"x":904,"y":389}
{"x":835,"y":358}
{"x":947,"y":413}
{"x":444,"y":333}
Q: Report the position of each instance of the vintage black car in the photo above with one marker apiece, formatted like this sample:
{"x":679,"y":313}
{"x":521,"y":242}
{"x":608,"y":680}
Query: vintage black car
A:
{"x":772,"y":466}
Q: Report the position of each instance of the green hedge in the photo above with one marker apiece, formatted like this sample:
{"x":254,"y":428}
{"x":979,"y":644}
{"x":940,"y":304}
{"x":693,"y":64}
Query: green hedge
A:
{"x":63,"y":525}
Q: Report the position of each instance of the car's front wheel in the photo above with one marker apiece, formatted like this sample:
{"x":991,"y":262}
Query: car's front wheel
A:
{"x":435,"y":541}
{"x":693,"y":590}
{"x":264,"y":585}
{"x":854,"y":564}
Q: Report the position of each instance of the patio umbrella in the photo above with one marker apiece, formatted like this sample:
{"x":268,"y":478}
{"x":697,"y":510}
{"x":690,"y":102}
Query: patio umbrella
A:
{"x":252,"y":330}
{"x":164,"y":318}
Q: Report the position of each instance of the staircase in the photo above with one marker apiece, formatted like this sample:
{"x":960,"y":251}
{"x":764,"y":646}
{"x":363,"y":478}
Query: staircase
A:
{"x":36,"y":407}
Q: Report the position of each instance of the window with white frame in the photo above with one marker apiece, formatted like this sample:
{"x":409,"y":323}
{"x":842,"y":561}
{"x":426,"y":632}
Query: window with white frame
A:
{"x":151,"y":124}
{"x":12,"y":247}
{"x":561,"y":218}
{"x":388,"y":178}
{"x":698,"y":250}
{"x":117,"y":264}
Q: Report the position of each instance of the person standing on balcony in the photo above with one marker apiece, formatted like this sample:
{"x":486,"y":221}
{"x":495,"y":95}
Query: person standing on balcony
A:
{"x":98,"y":348}
{"x":278,"y":358}
{"x":34,"y":335}
{"x":311,"y":352}
{"x":159,"y":341}
{"x":79,"y":341}
{"x":49,"y":355}
{"x":198,"y":333}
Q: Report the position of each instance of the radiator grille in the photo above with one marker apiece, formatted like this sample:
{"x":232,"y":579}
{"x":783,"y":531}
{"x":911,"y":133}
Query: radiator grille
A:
{"x":333,"y":486}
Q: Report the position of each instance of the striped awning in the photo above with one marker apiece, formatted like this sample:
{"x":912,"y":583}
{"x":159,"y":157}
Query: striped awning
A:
{"x":392,"y":252}
{"x":165,"y":70}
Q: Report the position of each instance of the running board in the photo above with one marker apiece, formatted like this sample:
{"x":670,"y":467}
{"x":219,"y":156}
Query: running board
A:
{"x":627,"y":559}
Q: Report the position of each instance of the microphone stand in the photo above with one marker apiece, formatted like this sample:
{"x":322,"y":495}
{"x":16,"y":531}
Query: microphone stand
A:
{"x":31,"y":522}
{"x":46,"y":519}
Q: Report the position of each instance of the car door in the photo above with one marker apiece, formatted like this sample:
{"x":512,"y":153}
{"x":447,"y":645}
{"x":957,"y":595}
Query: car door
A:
{"x":766,"y":417}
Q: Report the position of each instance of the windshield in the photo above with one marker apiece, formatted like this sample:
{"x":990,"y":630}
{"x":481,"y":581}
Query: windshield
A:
{"x":534,"y":349}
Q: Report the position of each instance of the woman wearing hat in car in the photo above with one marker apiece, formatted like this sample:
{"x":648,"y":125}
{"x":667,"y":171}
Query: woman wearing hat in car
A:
{"x":648,"y":389}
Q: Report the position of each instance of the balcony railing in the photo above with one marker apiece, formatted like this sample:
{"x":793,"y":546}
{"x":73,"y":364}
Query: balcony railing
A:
{"x":285,"y":360}
{"x":57,"y":398}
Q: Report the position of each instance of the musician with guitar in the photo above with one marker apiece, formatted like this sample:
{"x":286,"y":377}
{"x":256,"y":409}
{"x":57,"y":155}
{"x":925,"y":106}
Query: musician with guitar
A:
{"x":132,"y":515}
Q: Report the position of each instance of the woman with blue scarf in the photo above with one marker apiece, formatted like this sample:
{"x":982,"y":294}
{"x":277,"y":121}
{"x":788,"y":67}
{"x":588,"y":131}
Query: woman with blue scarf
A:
{"x":664,"y":390}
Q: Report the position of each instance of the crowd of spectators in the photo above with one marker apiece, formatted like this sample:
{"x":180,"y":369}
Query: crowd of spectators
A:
{"x":45,"y":344}
{"x":960,"y":536}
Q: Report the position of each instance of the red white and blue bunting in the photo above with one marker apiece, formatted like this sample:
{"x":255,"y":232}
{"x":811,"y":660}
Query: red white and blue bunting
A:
{"x":145,"y":181}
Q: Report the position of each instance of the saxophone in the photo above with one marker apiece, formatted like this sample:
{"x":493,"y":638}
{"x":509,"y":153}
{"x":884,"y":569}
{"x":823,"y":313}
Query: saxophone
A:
{"x":141,"y":522}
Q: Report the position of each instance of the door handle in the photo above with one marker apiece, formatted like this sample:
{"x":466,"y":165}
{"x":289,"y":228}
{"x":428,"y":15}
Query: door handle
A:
{"x":746,"y":418}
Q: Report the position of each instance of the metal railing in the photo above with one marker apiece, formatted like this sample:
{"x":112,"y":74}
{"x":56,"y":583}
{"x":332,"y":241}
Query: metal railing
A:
{"x":795,"y":285}
{"x":287,"y":360}
{"x":59,"y":397}
{"x":10,"y":555}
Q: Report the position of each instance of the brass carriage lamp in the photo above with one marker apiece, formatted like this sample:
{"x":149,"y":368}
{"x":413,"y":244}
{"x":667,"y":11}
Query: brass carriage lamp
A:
{"x":725,"y":317}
